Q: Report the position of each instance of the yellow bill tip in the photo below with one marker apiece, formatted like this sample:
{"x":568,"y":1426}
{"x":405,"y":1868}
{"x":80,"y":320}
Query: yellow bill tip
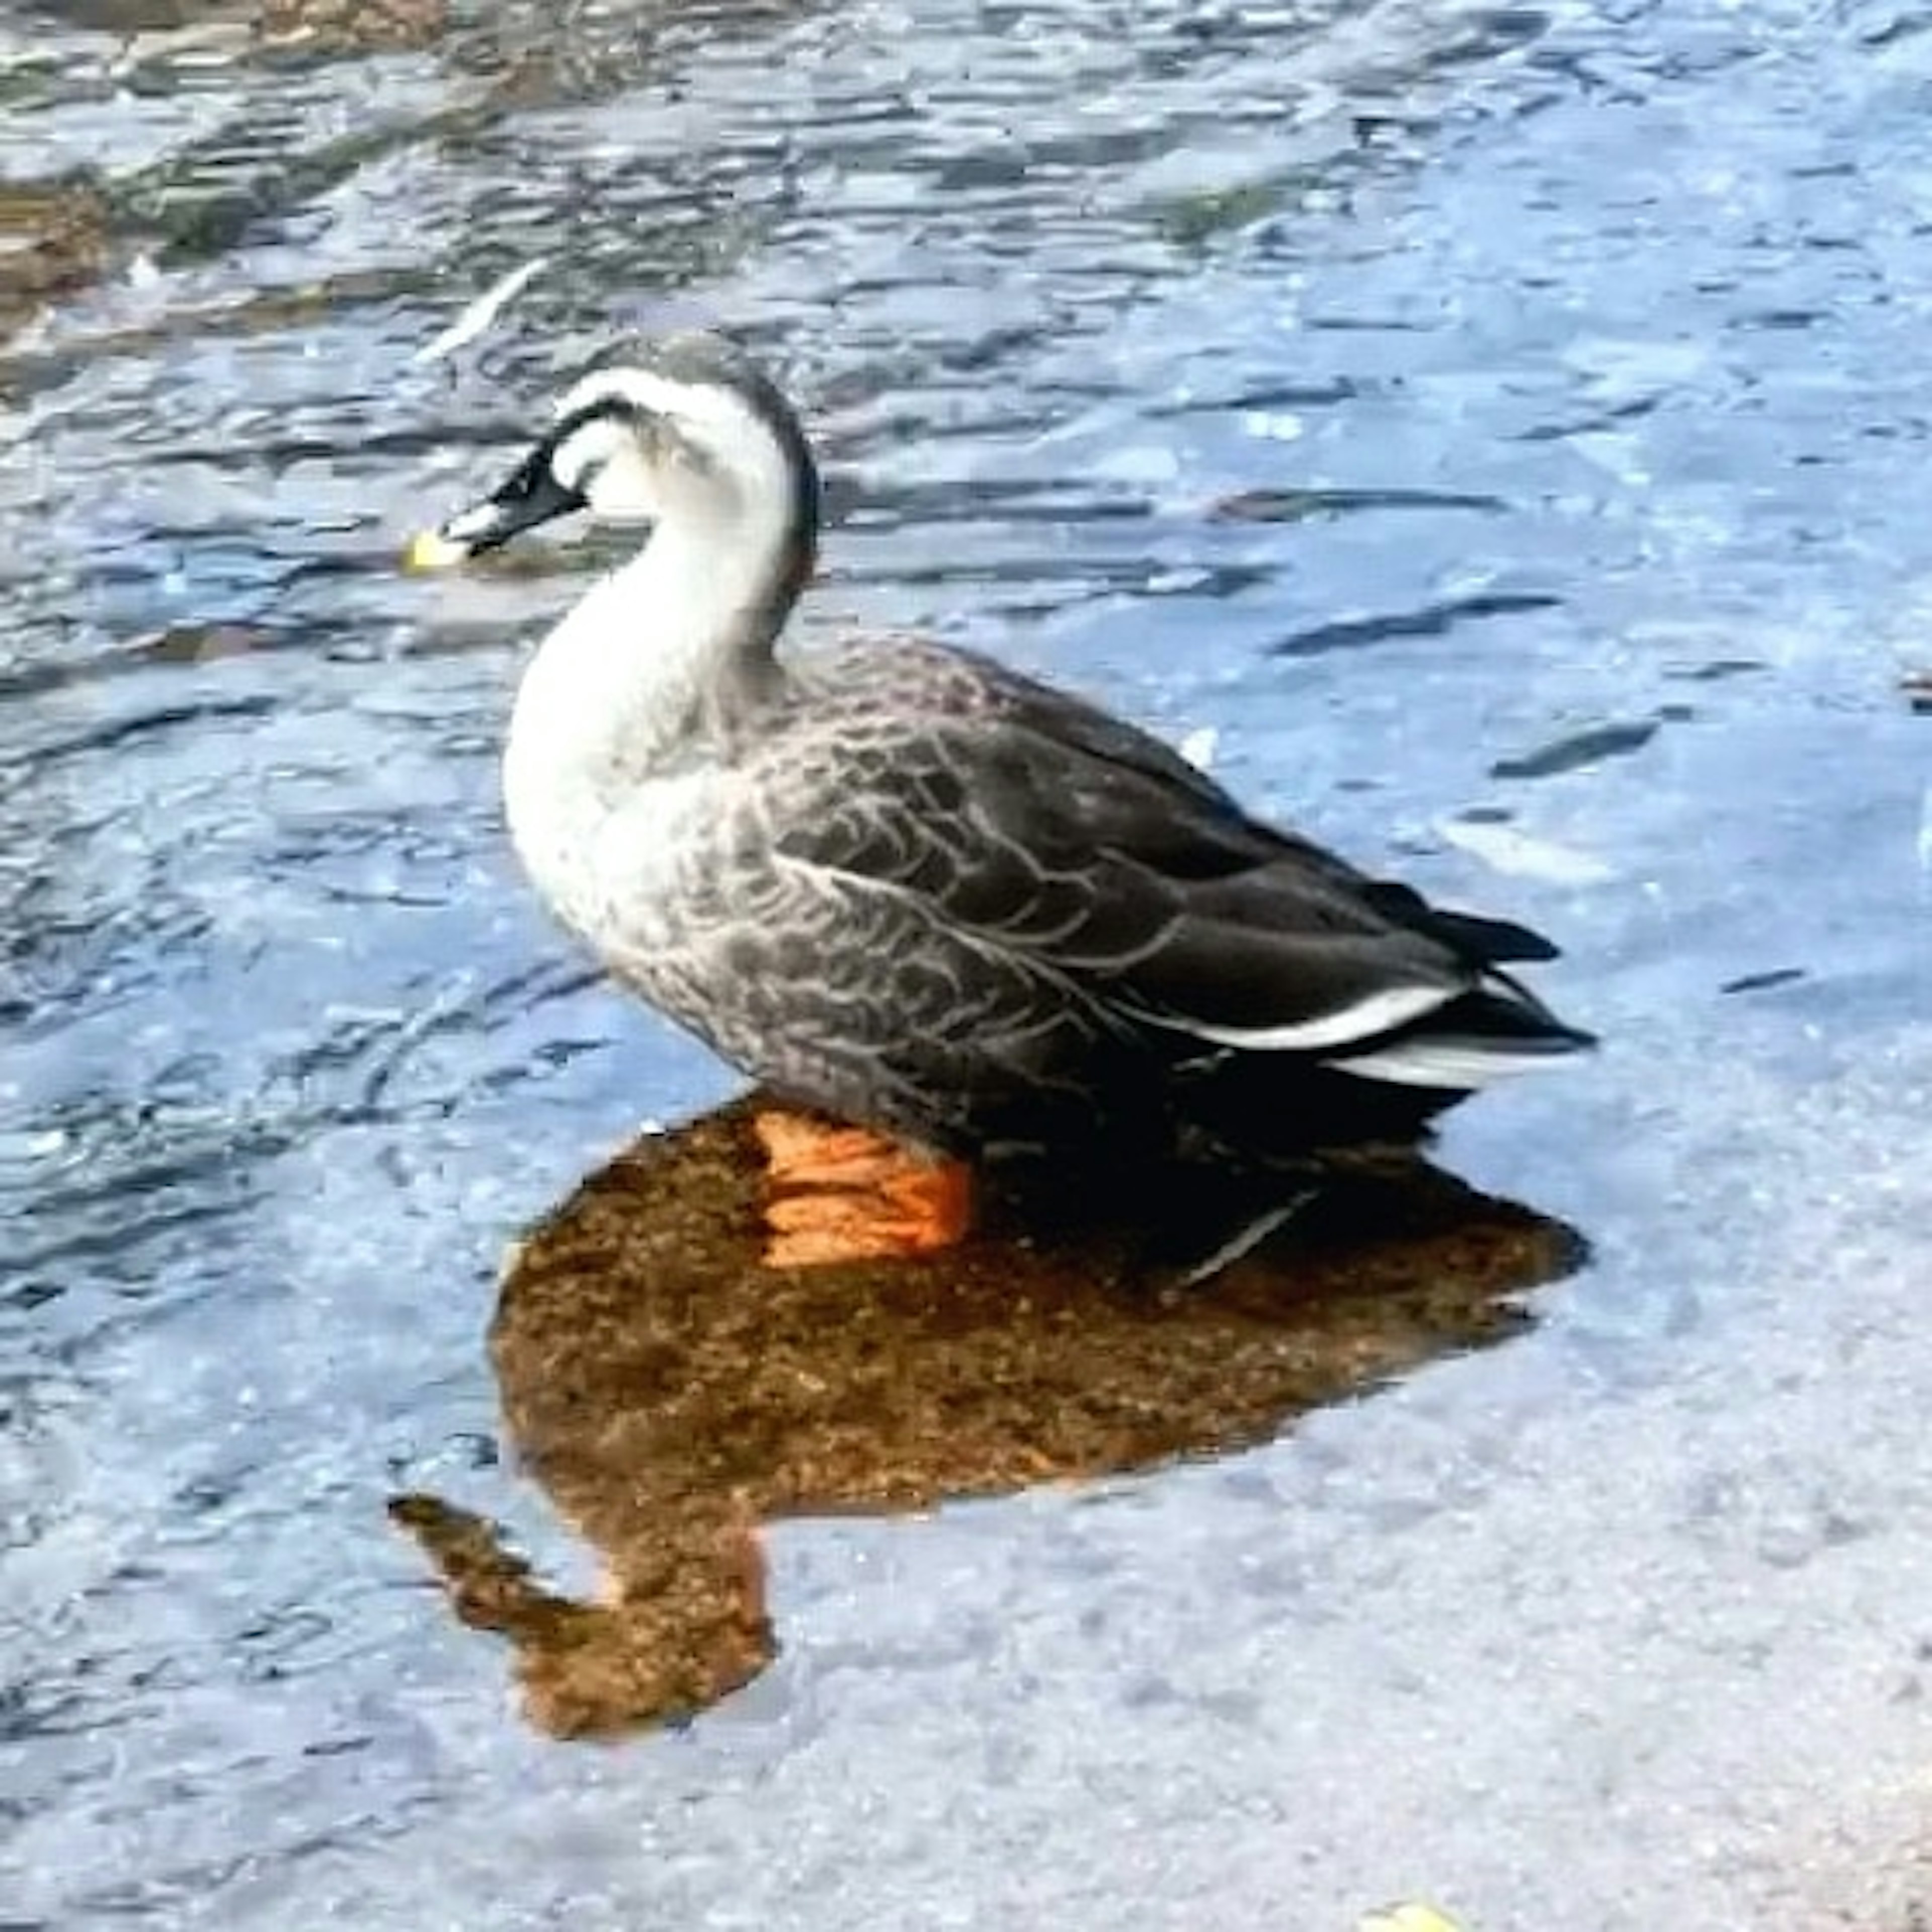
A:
{"x":430,"y":549}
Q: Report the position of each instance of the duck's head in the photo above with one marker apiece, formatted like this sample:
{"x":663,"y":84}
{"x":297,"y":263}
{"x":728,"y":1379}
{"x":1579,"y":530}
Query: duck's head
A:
{"x":682,"y":431}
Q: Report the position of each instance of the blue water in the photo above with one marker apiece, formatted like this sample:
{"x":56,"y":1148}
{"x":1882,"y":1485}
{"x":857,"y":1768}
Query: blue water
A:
{"x":1506,"y":426}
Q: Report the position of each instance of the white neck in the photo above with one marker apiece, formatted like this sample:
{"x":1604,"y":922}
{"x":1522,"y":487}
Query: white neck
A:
{"x":626,"y":691}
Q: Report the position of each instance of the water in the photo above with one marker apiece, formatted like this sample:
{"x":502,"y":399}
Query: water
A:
{"x":1506,"y":426}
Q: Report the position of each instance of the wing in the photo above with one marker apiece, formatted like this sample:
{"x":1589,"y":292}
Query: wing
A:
{"x":1040,"y":829}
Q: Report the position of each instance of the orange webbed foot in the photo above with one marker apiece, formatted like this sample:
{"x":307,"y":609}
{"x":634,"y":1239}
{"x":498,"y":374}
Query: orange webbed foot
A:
{"x":842,"y":1193}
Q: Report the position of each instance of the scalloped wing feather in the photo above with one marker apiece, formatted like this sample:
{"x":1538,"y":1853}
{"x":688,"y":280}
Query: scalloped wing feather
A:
{"x":1116,"y":870}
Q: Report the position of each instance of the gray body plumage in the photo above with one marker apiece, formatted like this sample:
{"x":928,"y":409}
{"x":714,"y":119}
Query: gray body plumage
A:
{"x":904,"y":884}
{"x":939,"y":898}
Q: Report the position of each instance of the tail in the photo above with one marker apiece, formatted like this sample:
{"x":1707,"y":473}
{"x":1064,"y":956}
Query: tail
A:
{"x":1497,"y":1028}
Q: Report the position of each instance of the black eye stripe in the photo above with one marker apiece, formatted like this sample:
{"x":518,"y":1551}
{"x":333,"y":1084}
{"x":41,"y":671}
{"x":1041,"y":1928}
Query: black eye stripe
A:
{"x":658,"y":432}
{"x":618,"y":410}
{"x":605,"y":408}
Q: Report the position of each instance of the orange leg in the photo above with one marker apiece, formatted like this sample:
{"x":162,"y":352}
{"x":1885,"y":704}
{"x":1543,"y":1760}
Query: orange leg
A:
{"x":842,"y":1194}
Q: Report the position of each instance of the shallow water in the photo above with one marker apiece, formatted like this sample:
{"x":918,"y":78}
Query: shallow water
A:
{"x":1506,"y":425}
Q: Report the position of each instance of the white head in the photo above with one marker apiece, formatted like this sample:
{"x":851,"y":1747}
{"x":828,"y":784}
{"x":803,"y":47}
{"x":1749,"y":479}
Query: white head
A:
{"x":683,"y":431}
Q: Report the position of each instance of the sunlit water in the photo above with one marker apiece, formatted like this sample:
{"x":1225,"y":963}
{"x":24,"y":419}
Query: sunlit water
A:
{"x":1507,"y":426}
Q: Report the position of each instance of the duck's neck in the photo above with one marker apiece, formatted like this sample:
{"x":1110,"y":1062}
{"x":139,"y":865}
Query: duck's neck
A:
{"x":647,"y":678}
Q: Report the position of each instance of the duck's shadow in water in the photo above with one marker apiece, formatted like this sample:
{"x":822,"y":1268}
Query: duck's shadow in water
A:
{"x":670,"y":1391}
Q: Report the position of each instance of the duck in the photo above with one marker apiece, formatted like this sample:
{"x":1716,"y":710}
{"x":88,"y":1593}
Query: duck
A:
{"x":960,"y":922}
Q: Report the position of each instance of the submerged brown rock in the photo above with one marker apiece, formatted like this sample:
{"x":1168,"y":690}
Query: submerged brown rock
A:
{"x":670,"y":1391}
{"x":354,"y":26}
{"x":55,"y":238}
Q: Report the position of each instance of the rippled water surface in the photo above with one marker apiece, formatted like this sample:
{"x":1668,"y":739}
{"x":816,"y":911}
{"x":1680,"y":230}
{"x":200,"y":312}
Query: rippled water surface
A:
{"x":1508,"y":426}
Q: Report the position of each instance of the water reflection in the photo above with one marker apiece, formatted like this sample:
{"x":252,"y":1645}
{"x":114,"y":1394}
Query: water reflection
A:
{"x":671,"y":1393}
